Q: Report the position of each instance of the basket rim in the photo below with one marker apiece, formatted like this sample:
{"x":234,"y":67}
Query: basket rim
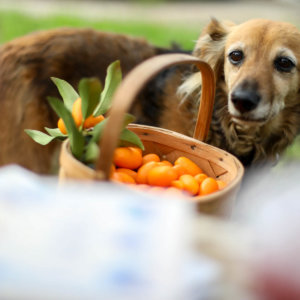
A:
{"x":232,"y":185}
{"x":66,"y":151}
{"x":131,"y":86}
{"x":239,"y":166}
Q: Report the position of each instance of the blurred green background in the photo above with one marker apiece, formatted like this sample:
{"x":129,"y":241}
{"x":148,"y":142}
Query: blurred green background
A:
{"x":15,"y":23}
{"x":161,"y":22}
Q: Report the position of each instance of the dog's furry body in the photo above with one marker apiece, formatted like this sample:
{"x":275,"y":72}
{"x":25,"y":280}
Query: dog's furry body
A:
{"x":253,"y":132}
{"x":26,"y":65}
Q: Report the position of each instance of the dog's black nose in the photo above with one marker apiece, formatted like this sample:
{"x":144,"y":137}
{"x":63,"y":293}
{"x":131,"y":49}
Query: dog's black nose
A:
{"x":245,"y":100}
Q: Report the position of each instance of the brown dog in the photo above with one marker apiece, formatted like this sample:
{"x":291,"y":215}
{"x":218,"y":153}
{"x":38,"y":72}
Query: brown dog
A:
{"x":26,"y":65}
{"x":257,"y":103}
{"x":257,"y":108}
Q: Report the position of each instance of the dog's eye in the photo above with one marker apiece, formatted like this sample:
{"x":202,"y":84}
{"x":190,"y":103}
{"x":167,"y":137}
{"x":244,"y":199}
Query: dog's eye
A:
{"x":283,"y":64}
{"x":236,"y":57}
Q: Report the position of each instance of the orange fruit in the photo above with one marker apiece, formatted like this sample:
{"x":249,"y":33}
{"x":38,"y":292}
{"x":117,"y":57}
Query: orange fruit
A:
{"x":150,"y":157}
{"x":122,"y":177}
{"x":142,"y":172}
{"x":190,"y":184}
{"x":161,"y":176}
{"x":128,"y":157}
{"x":200,"y":177}
{"x":179,"y":169}
{"x":208,"y":186}
{"x":167,"y":163}
{"x":76,"y":112}
{"x":61,"y":126}
{"x":221,"y":184}
{"x":177,"y":184}
{"x":189,"y":166}
{"x":129,"y":172}
{"x":92,"y":121}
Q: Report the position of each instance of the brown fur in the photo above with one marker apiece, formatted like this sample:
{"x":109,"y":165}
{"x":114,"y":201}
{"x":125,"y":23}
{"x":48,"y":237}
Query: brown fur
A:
{"x":265,"y":132}
{"x":27,"y":64}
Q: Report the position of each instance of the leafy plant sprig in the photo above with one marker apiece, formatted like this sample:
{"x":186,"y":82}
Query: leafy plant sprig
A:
{"x":96,"y":101}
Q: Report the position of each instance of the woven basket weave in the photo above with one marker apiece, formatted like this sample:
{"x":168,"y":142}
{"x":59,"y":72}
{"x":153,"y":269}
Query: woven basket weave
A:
{"x":168,"y":144}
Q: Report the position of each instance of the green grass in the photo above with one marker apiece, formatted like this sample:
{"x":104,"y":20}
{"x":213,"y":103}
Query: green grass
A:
{"x":15,"y":24}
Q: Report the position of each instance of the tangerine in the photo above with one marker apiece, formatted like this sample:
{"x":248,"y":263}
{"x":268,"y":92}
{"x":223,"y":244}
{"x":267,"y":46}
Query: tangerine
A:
{"x":122,"y":177}
{"x":190,"y":184}
{"x":150,"y":157}
{"x":128,"y":157}
{"x":161,"y":176}
{"x":166,"y":163}
{"x":129,"y":172}
{"x":200,"y":177}
{"x":189,"y":166}
{"x":179,"y":169}
{"x":61,"y":126}
{"x":177,"y":184}
{"x":208,"y":186}
{"x":92,"y":121}
{"x":77,"y":112}
{"x":142,"y":172}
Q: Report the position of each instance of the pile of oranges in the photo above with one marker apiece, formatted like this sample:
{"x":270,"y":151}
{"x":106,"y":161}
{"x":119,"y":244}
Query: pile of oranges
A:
{"x":132,"y":167}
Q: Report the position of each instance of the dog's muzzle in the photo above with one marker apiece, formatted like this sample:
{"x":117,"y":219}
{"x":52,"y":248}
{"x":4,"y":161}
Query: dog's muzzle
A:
{"x":245,"y":99}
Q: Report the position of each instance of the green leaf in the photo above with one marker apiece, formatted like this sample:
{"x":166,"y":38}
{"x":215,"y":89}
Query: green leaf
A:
{"x":129,"y":118}
{"x":130,"y":137}
{"x":89,"y":91}
{"x":98,"y":130}
{"x":75,"y":136}
{"x":55,"y":132}
{"x":112,"y":81}
{"x":67,"y":92}
{"x":39,"y":137}
{"x":92,"y":152}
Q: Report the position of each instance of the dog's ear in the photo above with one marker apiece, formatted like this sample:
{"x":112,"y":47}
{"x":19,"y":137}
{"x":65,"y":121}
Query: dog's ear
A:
{"x":210,"y":48}
{"x":211,"y":44}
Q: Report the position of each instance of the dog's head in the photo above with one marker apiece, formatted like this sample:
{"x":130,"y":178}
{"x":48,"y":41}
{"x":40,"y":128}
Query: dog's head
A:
{"x":259,"y":61}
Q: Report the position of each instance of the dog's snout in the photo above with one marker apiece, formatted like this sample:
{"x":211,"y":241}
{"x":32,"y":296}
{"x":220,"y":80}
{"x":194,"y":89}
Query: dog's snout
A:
{"x":245,"y":100}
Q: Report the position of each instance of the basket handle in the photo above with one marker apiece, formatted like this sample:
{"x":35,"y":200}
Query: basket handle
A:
{"x":130,"y":88}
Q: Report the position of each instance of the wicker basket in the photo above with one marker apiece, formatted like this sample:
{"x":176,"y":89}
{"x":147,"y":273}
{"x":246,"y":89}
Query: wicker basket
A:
{"x":169,"y":144}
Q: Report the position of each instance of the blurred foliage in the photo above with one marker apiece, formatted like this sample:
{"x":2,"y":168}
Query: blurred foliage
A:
{"x":15,"y":24}
{"x":293,"y":152}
